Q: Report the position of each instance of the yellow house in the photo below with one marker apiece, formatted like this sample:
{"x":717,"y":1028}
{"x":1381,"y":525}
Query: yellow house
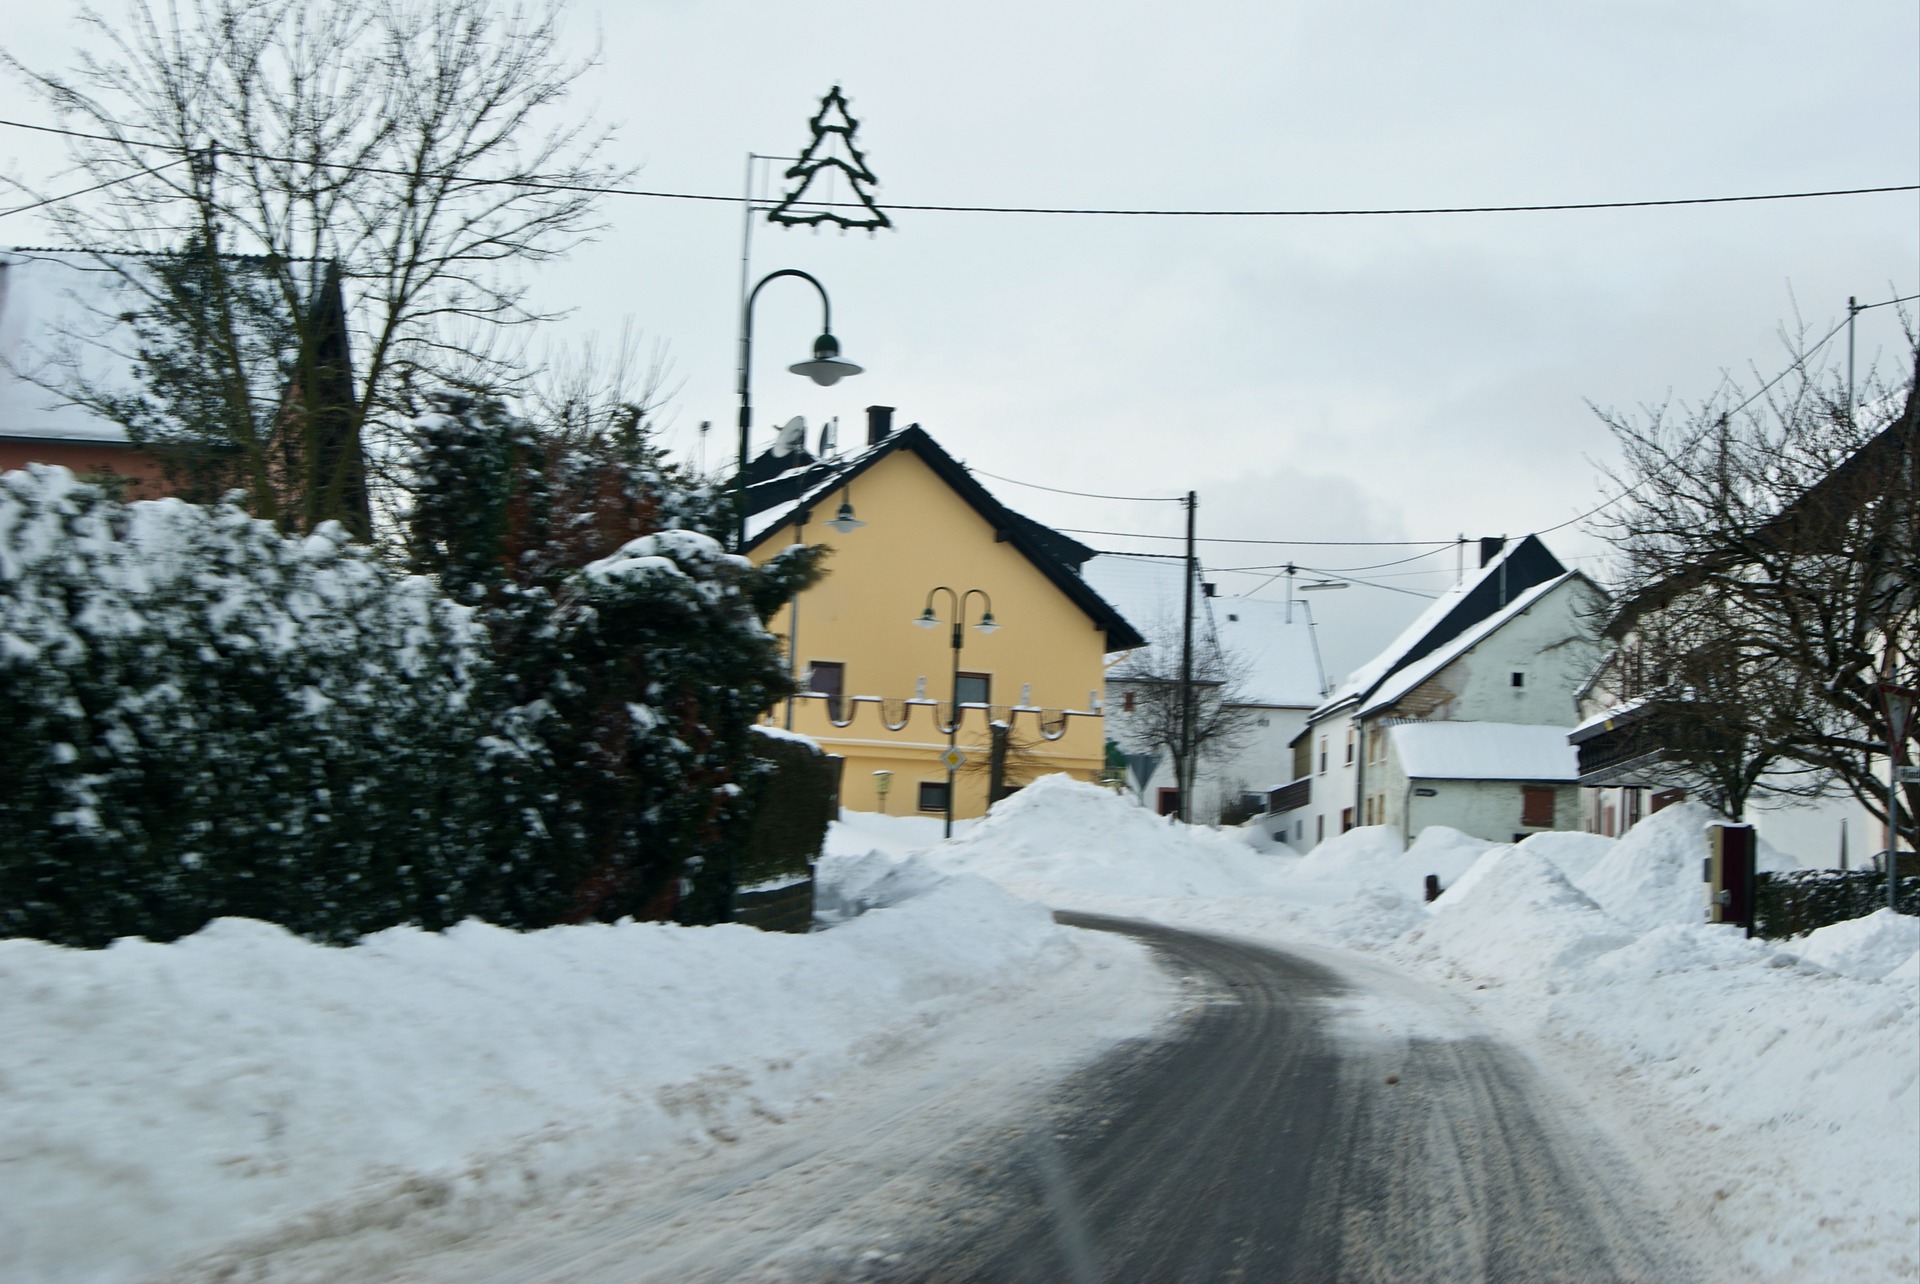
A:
{"x":880,"y":692}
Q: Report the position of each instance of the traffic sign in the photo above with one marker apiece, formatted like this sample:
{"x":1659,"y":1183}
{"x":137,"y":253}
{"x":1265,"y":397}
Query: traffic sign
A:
{"x":954,"y":758}
{"x":1908,"y":775}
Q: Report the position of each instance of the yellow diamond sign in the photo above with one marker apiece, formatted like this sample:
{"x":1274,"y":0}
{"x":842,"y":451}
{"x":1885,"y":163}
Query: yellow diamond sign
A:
{"x":954,"y":759}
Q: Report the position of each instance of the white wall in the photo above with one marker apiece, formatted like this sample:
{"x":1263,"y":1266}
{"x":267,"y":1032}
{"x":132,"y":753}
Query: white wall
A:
{"x":1260,"y":761}
{"x":1550,"y":644}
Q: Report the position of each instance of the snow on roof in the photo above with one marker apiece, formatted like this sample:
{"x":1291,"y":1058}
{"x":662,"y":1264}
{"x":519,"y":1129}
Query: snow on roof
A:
{"x":43,"y":298}
{"x":1148,"y":591}
{"x":1363,"y":678}
{"x":1606,"y":716}
{"x":1484,"y":751}
{"x":1405,"y":680}
{"x":1528,"y":556}
{"x":1281,"y":659}
{"x":1283,"y":662}
{"x":63,"y":312}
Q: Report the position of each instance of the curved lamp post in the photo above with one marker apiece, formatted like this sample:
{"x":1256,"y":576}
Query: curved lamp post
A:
{"x":826,"y":369}
{"x":929,"y":620}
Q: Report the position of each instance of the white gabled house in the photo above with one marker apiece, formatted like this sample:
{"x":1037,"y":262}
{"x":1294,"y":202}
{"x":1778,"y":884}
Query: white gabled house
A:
{"x":1462,"y":721}
{"x":1268,"y":651}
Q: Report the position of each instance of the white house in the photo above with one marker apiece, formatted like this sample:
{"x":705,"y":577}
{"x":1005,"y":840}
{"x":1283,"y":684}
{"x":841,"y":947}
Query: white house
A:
{"x":1462,"y":721}
{"x":1271,"y":661}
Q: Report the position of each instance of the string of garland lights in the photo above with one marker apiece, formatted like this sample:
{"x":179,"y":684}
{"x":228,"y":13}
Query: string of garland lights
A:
{"x":536,"y":182}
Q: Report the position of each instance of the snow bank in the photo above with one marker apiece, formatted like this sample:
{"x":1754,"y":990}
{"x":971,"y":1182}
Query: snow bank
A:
{"x":1060,"y":834}
{"x":1373,"y":855}
{"x":1771,"y":1090}
{"x":1651,"y":877}
{"x":1870,"y":948}
{"x":157,"y":1101}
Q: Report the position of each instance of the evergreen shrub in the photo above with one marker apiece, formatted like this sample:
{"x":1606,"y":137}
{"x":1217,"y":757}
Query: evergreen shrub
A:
{"x":203,"y":717}
{"x":1795,"y":902}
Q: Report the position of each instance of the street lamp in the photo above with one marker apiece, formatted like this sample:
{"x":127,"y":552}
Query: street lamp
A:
{"x":928,"y":620}
{"x":826,"y":369}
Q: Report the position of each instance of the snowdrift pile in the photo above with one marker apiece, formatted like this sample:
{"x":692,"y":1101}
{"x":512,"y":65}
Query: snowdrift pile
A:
{"x":241,"y":1085}
{"x":1060,"y":834}
{"x":1772,"y":1088}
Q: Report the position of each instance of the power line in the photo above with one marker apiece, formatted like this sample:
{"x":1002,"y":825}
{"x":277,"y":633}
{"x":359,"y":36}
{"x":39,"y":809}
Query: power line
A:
{"x":538,"y":183}
{"x":112,"y":182}
{"x":1320,"y":570}
{"x":1798,"y":362}
{"x":1289,"y":543}
{"x":1083,"y":494}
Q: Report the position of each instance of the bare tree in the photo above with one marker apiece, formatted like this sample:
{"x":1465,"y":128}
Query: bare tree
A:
{"x":416,"y":145}
{"x":1769,"y":558}
{"x":1158,"y":717}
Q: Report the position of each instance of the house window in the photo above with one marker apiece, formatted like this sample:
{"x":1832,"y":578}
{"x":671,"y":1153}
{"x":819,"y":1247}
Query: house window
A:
{"x":1633,"y":805}
{"x":1536,"y":805}
{"x":973,"y":688}
{"x":1319,"y":829}
{"x":1126,"y":702}
{"x":1169,"y":803}
{"x":1323,"y":755}
{"x":1349,"y":746}
{"x":1518,"y":679}
{"x":933,"y":795}
{"x":829,"y":678}
{"x":1346,"y":819}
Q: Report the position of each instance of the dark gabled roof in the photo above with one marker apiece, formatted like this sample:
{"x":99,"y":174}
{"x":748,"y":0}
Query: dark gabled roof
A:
{"x":1495,"y":586}
{"x":1054,"y":555}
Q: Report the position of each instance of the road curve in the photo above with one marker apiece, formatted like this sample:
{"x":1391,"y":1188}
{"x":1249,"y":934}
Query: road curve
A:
{"x":1264,"y":1141}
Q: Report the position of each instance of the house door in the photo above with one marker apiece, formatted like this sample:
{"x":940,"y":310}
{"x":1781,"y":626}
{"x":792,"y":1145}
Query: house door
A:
{"x":1169,"y":802}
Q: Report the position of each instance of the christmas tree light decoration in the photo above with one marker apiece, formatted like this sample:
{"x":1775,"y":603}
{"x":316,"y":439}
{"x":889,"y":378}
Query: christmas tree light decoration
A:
{"x":820,"y":162}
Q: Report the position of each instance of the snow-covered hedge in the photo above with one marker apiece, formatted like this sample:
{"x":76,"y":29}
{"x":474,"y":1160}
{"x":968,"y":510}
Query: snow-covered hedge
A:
{"x":548,"y":722}
{"x":203,"y":717}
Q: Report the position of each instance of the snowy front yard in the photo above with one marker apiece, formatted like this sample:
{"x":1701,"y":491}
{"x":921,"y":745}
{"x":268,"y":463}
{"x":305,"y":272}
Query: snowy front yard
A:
{"x":165,"y":1103}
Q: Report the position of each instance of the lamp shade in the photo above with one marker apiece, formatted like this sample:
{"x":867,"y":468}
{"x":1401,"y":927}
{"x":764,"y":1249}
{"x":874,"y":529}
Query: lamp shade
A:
{"x":844,"y":521}
{"x":826,"y":368}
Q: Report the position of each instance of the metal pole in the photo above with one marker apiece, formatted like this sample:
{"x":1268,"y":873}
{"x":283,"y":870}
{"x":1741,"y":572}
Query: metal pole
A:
{"x":1184,"y":777}
{"x":1894,"y":732}
{"x":746,"y":396}
{"x":953,"y":713}
{"x":1853,"y":310}
{"x":793,"y":622}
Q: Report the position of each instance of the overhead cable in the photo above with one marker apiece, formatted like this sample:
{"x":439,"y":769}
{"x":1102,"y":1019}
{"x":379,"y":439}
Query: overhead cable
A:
{"x":538,"y":183}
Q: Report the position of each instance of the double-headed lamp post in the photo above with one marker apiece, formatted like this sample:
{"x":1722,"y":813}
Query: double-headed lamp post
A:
{"x":826,"y":369}
{"x":929,"y":620}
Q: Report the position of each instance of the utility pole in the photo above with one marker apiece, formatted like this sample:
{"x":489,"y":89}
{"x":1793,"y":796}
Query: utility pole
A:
{"x":1853,"y":311}
{"x":1184,"y":777}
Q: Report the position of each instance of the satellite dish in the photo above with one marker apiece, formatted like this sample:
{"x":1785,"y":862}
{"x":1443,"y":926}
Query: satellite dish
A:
{"x":791,"y":436}
{"x":829,"y":436}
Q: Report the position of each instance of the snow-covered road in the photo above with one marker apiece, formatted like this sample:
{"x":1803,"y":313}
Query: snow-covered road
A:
{"x":648,"y":1101}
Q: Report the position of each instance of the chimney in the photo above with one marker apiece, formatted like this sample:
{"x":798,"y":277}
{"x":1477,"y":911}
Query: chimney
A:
{"x":1490,"y":547}
{"x":879,"y":424}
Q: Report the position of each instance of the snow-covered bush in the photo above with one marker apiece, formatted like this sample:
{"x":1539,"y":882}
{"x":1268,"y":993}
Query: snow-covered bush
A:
{"x":203,"y":718}
{"x":630,"y":656}
{"x":548,"y":723}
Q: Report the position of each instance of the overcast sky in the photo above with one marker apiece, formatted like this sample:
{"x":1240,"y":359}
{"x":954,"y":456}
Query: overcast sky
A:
{"x":1312,"y":379}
